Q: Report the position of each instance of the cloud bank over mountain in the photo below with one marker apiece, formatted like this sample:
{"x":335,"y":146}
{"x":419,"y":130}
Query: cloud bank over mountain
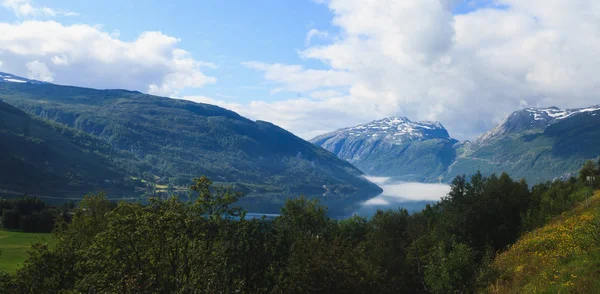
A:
{"x":423,"y":59}
{"x":420,"y":59}
{"x":85,"y":55}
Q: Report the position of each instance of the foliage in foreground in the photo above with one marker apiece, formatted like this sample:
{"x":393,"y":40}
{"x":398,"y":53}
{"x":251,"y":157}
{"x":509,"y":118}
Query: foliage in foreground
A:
{"x":561,"y":257}
{"x":208,"y":246}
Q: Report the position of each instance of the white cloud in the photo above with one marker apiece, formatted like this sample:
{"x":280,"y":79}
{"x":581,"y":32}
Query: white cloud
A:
{"x":60,"y":60}
{"x":39,"y":71}
{"x":314,"y":33}
{"x":377,"y":201}
{"x":27,"y":9}
{"x":324,"y":94}
{"x":84,"y":55}
{"x":401,"y":192}
{"x":296,"y":78}
{"x":407,"y":191}
{"x":293,"y":115}
{"x":415,"y":58}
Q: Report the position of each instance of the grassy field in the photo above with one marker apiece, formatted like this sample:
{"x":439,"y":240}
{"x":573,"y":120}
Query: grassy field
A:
{"x":561,"y":257}
{"x":14,"y":246}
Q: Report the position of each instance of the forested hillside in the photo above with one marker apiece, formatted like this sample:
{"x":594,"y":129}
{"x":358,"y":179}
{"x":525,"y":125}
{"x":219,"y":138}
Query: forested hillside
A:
{"x":46,"y":158}
{"x":209,"y":244}
{"x":175,"y":140}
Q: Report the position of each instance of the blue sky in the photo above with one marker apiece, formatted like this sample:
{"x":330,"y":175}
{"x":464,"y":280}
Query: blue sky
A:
{"x":467,"y":64}
{"x":226,"y":33}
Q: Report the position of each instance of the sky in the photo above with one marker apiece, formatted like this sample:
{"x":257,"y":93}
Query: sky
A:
{"x":314,"y":66}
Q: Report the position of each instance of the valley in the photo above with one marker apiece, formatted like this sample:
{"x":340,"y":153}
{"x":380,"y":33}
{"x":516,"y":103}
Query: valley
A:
{"x":312,"y":146}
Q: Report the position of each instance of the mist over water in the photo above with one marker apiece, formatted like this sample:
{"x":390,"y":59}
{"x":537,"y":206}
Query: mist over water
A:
{"x":396,"y":194}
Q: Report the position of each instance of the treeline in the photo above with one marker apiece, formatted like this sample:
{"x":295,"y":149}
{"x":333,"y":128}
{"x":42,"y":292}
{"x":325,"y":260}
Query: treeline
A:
{"x":30,"y":214}
{"x":209,"y":246}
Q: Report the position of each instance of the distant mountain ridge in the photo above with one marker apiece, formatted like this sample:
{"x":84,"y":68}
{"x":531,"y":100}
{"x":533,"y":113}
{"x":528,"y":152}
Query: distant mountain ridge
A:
{"x":537,"y":144}
{"x":395,"y":146}
{"x":397,"y":127}
{"x":179,"y":140}
{"x":533,"y":118}
{"x":10,"y":78}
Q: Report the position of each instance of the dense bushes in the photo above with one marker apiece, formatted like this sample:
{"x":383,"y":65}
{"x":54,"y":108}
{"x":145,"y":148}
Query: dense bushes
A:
{"x":28,"y":214}
{"x":208,"y":246}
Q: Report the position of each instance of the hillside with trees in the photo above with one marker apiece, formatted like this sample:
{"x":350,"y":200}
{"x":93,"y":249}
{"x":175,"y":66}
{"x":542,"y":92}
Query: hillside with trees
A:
{"x":169,"y":141}
{"x":456,"y":245}
{"x":46,"y":158}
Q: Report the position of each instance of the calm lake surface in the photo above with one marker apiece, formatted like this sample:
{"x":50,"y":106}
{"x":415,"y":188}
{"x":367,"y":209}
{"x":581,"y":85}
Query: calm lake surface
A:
{"x":409,"y":195}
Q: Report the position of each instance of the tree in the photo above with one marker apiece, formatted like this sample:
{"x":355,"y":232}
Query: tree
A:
{"x":589,"y":169}
{"x":452,"y":270}
{"x":11,"y":219}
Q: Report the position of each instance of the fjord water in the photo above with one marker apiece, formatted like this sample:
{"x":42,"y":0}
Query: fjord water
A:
{"x":412,"y":196}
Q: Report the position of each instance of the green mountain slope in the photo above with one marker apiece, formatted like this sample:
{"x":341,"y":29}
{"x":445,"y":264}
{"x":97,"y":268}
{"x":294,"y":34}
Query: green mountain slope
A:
{"x":561,"y":257}
{"x":555,"y":148}
{"x":49,"y":159}
{"x":179,"y":140}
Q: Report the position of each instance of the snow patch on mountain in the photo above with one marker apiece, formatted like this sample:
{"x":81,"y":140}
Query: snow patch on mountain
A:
{"x":10,"y":78}
{"x":398,"y":128}
{"x":533,"y":118}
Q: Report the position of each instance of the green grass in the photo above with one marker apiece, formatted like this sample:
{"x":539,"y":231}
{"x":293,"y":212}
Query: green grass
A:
{"x":14,"y":246}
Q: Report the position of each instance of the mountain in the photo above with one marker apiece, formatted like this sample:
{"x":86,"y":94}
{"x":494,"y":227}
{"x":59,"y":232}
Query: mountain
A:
{"x":394,"y":147}
{"x":532,"y":119}
{"x":179,"y":140}
{"x":10,"y":78}
{"x":537,"y":144}
{"x":49,"y":159}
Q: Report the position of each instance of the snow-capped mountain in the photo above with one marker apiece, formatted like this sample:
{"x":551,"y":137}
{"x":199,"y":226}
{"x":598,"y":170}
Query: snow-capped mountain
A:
{"x":537,"y":144}
{"x":534,"y":119}
{"x":396,"y":129}
{"x":393,"y":146}
{"x":10,"y":78}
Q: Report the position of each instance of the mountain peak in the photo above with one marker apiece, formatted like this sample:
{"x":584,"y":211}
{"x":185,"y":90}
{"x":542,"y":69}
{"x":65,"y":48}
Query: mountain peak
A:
{"x":10,"y":78}
{"x":392,"y":129}
{"x":533,"y":118}
{"x":393,"y":146}
{"x":398,"y":127}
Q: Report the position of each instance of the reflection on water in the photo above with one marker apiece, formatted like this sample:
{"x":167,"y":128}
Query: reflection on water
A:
{"x":412,"y":196}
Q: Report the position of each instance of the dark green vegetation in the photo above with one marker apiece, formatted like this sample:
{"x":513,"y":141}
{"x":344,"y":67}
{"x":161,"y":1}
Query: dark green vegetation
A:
{"x":47,"y":158}
{"x":534,"y":143}
{"x":209,"y":246}
{"x":117,"y":135}
{"x":30,"y":214}
{"x":14,"y":246}
{"x":394,"y":147}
